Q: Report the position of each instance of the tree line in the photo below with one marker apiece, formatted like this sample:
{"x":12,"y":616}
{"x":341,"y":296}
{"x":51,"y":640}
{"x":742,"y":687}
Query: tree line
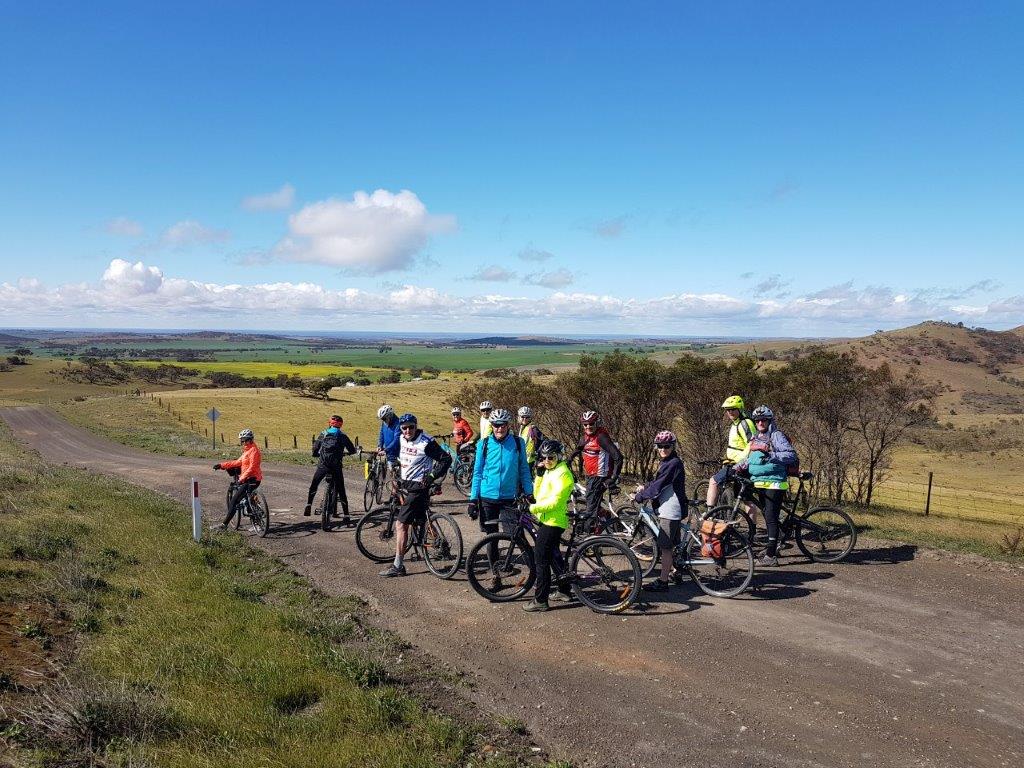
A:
{"x":845,"y":418}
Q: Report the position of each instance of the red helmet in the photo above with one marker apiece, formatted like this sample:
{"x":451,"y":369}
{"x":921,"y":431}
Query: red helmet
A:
{"x":336,"y":421}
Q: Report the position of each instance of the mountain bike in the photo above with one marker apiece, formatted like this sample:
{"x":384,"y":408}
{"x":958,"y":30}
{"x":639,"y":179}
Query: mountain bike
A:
{"x":436,"y":538}
{"x":253,"y":506}
{"x":462,"y":465}
{"x":726,"y":491}
{"x":374,"y":472}
{"x":825,"y":534}
{"x":722,"y":569}
{"x":601,"y":571}
{"x":615,"y":519}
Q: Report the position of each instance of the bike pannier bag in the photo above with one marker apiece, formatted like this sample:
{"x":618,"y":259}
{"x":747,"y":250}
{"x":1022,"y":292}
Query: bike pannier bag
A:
{"x":711,"y":538}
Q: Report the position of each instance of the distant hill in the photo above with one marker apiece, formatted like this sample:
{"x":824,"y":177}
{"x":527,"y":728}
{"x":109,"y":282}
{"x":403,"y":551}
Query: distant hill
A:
{"x":516,"y":341}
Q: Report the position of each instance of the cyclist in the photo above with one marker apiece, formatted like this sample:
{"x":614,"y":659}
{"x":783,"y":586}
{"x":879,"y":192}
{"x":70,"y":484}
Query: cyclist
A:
{"x":530,"y":433}
{"x":500,"y":475}
{"x":602,"y":460}
{"x":250,"y":476}
{"x":667,"y":494}
{"x":767,"y":461}
{"x":388,"y":439}
{"x":422,"y":461}
{"x":551,"y":510}
{"x":485,"y":416}
{"x":329,"y":448}
{"x":741,"y":431}
{"x":461,"y":431}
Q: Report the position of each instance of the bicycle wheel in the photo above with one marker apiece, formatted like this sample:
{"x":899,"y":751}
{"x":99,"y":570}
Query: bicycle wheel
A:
{"x":259,"y":514}
{"x":605,"y":574}
{"x":826,"y":534}
{"x":462,"y":478}
{"x":369,"y":493}
{"x":744,"y":523}
{"x":724,"y":576}
{"x":700,"y":490}
{"x":325,"y":511}
{"x":643,"y":543}
{"x":505,"y":574}
{"x":442,"y":545}
{"x":375,"y":535}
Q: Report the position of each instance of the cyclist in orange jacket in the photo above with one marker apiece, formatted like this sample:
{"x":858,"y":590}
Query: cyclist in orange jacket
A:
{"x":250,"y":474}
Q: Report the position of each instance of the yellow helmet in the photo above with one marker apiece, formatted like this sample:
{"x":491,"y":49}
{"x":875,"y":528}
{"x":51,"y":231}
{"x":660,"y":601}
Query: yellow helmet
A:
{"x":733,"y":401}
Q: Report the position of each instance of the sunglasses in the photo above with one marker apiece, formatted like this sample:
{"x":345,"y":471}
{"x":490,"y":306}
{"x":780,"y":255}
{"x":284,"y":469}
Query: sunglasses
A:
{"x":762,"y":421}
{"x":663,"y":447}
{"x":408,"y":427}
{"x":500,"y":426}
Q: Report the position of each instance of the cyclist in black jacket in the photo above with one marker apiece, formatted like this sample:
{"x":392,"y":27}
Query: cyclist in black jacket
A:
{"x":330,"y":447}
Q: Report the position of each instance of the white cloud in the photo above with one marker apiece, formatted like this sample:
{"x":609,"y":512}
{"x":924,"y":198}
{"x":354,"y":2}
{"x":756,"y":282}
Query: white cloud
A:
{"x":122,"y":226}
{"x":129,"y":291}
{"x":281,"y":200}
{"x":370,"y":234}
{"x":534,"y":254}
{"x":609,"y":228}
{"x":492,"y":274}
{"x":189,"y":233}
{"x":557,"y":278}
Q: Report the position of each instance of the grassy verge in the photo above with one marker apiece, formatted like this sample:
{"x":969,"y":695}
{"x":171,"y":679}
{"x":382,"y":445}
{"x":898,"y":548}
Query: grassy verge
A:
{"x":122,"y":643}
{"x":994,"y":540}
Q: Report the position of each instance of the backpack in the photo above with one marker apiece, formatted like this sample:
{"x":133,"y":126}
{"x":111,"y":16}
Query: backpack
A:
{"x":329,"y":449}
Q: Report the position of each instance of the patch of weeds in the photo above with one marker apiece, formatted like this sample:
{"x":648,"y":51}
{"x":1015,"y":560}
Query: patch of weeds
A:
{"x":41,"y":544}
{"x":512,"y":724}
{"x":389,"y":708}
{"x":13,"y":732}
{"x":1012,"y":544}
{"x":294,"y":699}
{"x":364,"y":672}
{"x":134,"y":593}
{"x":85,"y":715}
{"x":247,"y":592}
{"x":89,"y":623}
{"x":324,"y":621}
{"x":33,"y":630}
{"x":7,"y":683}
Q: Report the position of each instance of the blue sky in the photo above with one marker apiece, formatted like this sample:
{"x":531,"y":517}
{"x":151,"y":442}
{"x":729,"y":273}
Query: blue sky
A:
{"x":744,"y":168}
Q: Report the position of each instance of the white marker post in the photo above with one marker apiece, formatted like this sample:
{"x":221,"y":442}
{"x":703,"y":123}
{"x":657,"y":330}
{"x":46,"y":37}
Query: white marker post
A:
{"x":197,"y":512}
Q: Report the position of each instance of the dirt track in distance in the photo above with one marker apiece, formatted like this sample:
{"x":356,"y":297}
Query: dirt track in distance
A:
{"x":896,"y":658}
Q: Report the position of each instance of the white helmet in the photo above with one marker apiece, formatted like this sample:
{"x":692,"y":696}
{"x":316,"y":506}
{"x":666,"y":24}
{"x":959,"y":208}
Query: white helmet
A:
{"x":500,"y":416}
{"x":385,"y":412}
{"x":526,"y":412}
{"x":246,"y":434}
{"x":456,"y":411}
{"x":486,"y":405}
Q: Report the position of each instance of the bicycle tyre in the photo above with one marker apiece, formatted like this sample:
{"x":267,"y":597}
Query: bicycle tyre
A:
{"x":442,"y":545}
{"x":515,"y":562}
{"x":325,"y":510}
{"x":259,"y":514}
{"x":375,"y":535}
{"x":832,"y":537}
{"x":643,"y":543}
{"x":727,"y":576}
{"x":606,"y":576}
{"x":744,"y":522}
{"x":462,"y":478}
{"x":369,"y":492}
{"x":378,"y":494}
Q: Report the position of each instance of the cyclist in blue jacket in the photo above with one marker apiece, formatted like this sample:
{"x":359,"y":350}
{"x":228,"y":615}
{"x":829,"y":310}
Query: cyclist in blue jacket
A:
{"x":388,"y":441}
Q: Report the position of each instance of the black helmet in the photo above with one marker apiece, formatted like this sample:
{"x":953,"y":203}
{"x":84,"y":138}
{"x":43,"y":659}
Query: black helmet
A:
{"x":550,"y":448}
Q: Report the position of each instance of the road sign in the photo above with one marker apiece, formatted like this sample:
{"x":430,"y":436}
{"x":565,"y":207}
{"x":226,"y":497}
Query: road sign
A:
{"x":213,"y":414}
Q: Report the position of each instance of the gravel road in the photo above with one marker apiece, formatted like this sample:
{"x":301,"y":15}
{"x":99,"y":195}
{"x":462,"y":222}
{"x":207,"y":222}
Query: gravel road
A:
{"x":900,"y":657}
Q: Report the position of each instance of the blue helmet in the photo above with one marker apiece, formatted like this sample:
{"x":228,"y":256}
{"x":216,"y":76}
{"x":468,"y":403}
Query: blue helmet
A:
{"x":406,"y":418}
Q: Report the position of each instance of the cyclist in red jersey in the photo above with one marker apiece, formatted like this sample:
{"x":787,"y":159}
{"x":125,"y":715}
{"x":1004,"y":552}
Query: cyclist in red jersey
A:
{"x":602,"y":460}
{"x":461,"y":431}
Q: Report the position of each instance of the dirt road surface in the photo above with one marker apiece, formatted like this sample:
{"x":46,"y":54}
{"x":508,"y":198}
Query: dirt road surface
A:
{"x":896,"y":658}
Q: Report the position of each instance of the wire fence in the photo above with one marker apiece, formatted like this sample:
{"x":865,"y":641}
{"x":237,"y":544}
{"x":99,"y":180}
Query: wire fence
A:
{"x":943,"y":500}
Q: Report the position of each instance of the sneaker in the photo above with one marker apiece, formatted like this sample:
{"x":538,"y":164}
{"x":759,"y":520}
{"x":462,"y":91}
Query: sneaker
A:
{"x":677,"y":577}
{"x":392,"y":571}
{"x":767,"y":561}
{"x":307,"y":511}
{"x":346,"y":520}
{"x":656,"y":586}
{"x":494,"y":584}
{"x":220,"y":527}
{"x":563,"y":597}
{"x":533,"y":607}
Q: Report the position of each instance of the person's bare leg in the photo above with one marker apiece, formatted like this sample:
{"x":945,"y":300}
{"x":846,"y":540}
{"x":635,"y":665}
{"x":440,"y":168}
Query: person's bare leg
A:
{"x":712,"y":497}
{"x":401,"y":542}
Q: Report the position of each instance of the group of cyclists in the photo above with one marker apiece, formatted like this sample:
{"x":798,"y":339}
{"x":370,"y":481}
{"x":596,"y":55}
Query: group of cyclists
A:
{"x":510,"y":467}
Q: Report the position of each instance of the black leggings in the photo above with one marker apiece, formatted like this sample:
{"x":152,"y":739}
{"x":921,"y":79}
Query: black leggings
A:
{"x":770,"y":502}
{"x":548,"y":539}
{"x":339,"y":487}
{"x":595,"y":495}
{"x":247,"y":487}
{"x":492,"y":513}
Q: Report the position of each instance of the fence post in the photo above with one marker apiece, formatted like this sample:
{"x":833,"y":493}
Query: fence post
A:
{"x":295,"y":441}
{"x":265,"y":446}
{"x":928,"y":500}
